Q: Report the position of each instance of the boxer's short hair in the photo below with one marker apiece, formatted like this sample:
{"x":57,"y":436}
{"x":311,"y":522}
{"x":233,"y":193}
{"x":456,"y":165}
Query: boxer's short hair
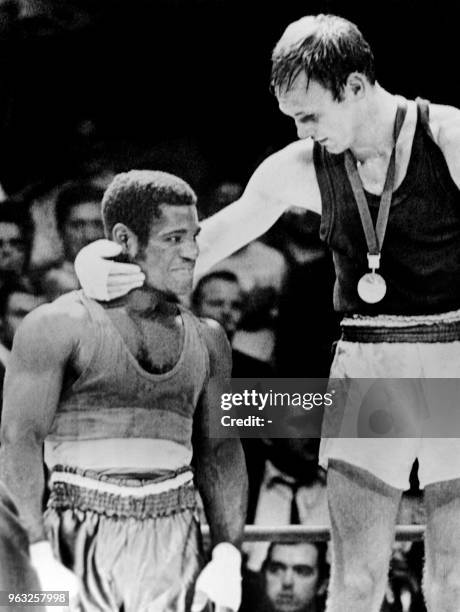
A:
{"x":134,"y":198}
{"x":326,"y":48}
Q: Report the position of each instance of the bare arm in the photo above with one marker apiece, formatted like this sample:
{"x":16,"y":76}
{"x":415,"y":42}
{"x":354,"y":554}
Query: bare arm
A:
{"x":284,"y":179}
{"x":220,"y":465}
{"x":33,"y":381}
{"x":445,"y":125}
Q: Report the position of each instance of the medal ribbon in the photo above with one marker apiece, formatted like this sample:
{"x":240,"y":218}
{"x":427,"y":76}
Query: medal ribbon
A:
{"x":375,"y":236}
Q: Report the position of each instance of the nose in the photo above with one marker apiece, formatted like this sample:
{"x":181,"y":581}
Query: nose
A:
{"x":6,"y":252}
{"x":304,"y":130}
{"x":288,"y":578}
{"x":190,"y":250}
{"x":227,"y":309}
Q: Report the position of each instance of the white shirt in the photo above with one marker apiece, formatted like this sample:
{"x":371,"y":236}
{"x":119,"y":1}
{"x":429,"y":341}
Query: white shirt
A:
{"x":274,"y":508}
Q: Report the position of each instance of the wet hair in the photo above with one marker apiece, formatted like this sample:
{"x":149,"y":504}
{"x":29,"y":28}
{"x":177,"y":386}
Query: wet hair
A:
{"x":223,"y":275}
{"x":321,"y":547}
{"x":72,"y":195}
{"x":134,"y":198}
{"x":326,"y":48}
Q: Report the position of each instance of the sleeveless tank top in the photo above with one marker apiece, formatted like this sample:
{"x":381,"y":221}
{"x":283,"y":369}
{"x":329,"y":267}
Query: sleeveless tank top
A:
{"x":420,"y":259}
{"x":115,"y":398}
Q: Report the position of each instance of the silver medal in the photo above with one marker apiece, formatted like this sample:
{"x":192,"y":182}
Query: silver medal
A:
{"x":372,"y":287}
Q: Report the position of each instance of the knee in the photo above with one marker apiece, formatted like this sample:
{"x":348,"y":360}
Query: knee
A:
{"x":443,"y":582}
{"x":360,"y":584}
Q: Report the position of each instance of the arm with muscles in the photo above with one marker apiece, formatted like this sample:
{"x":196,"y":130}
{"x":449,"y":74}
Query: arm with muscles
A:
{"x":241,"y":222}
{"x":286,"y":178}
{"x":221,"y":478}
{"x":33,"y":381}
{"x":445,"y":126}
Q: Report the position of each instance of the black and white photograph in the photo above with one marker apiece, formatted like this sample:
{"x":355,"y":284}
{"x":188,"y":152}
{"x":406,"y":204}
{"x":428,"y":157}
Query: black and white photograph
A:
{"x":229,"y":306}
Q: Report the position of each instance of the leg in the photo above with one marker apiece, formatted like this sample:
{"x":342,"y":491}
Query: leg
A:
{"x":442,"y":546}
{"x":16,"y":571}
{"x":363,"y":513}
{"x":160,"y":563}
{"x":75,"y":537}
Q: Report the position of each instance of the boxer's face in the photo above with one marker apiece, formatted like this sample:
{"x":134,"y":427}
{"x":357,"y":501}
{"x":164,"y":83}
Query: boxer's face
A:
{"x":317,"y":115}
{"x":168,"y":260}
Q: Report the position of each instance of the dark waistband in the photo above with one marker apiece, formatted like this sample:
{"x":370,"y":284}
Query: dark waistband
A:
{"x":442,"y":332}
{"x":65,"y":496}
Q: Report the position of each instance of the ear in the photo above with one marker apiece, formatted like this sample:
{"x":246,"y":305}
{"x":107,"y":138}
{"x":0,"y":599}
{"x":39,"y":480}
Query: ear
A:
{"x":122,"y":235}
{"x":356,"y":85}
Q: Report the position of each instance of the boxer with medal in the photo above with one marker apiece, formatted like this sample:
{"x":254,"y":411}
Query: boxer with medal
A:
{"x":323,"y":76}
{"x":372,"y":286}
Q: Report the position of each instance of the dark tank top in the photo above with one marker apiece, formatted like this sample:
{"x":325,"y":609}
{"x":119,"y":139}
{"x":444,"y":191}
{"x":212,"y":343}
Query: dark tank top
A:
{"x":421,"y":251}
{"x":115,"y":398}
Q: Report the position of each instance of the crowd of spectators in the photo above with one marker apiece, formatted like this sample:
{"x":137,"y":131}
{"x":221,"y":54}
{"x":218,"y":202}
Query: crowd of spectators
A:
{"x":274,"y":300}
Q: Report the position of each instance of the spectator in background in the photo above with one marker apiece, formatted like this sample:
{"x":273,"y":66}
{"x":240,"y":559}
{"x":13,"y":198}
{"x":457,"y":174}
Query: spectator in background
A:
{"x":223,"y":194}
{"x":293,"y":579}
{"x":16,"y":236}
{"x":256,"y":264}
{"x":306,"y":316}
{"x":79,"y":222}
{"x":16,"y":301}
{"x":219,"y":296}
{"x":261,"y":271}
{"x":292,"y":490}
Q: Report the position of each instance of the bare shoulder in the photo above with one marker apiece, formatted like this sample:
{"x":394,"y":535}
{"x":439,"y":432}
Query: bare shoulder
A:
{"x":214,"y":335}
{"x":445,"y":125}
{"x":52,"y":328}
{"x":289,"y":176}
{"x":216,"y":341}
{"x":444,"y":122}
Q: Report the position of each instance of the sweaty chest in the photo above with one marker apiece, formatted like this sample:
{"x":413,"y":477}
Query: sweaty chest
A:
{"x":156,"y":345}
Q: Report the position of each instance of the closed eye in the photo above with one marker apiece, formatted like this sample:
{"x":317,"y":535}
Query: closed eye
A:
{"x":307,"y":118}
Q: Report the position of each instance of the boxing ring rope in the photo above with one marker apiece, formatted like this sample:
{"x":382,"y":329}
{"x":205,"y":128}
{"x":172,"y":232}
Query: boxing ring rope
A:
{"x":301,"y":533}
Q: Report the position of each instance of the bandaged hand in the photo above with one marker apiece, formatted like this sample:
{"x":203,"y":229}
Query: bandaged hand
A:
{"x":52,"y":575}
{"x":220,"y":580}
{"x":104,"y":279}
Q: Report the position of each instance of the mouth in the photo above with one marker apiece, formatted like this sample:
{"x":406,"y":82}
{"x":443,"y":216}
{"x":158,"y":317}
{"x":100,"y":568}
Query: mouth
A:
{"x":184,"y":269}
{"x":285,"y":600}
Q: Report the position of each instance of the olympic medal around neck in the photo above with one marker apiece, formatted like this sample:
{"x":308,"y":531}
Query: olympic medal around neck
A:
{"x":372,"y":286}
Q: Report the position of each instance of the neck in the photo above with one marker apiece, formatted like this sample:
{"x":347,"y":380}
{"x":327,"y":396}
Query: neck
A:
{"x":374,"y":134}
{"x":146,"y":302}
